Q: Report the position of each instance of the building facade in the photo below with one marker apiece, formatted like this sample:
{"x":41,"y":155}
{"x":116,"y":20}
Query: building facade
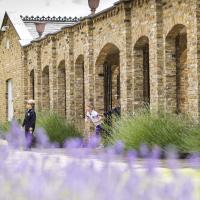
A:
{"x":137,"y":52}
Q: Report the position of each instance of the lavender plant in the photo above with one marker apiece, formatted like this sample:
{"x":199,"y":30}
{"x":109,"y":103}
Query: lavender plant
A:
{"x":90,"y":174}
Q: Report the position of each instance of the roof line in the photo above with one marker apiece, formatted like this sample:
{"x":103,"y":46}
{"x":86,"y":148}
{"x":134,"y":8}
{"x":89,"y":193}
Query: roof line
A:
{"x":76,"y":21}
{"x":50,"y":19}
{"x":19,"y":27}
{"x":79,"y":22}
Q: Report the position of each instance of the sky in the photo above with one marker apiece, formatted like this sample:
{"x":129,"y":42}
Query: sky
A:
{"x":50,"y":7}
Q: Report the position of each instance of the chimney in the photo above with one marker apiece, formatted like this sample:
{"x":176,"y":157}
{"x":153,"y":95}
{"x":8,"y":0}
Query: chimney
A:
{"x":40,"y":26}
{"x":93,"y":4}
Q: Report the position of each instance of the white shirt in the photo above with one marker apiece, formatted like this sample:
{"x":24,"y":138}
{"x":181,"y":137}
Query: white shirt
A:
{"x":94,"y":117}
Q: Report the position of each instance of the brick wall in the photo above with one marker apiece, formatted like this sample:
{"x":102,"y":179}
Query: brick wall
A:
{"x":153,"y":44}
{"x":11,"y":67}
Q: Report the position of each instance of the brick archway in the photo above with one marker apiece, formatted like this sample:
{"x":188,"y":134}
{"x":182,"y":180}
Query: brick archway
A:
{"x":176,"y":69}
{"x":79,"y":88}
{"x":107,"y":81}
{"x":45,"y":89}
{"x":141,"y":73}
{"x":32,"y":85}
{"x":62,"y":89}
{"x":116,"y":84}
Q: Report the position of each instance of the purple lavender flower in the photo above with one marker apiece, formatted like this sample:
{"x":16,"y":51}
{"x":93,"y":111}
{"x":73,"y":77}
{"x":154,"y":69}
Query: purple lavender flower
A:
{"x":119,"y":147}
{"x":131,"y":157}
{"x":42,"y":139}
{"x":73,"y":143}
{"x":15,"y":137}
{"x":194,"y":161}
{"x":94,"y":141}
{"x":103,"y":176}
{"x":144,"y":150}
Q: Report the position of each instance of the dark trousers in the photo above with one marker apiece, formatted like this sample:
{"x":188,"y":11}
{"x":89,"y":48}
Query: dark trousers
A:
{"x":29,"y":139}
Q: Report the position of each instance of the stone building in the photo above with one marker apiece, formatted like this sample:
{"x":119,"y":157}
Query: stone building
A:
{"x":137,"y":51}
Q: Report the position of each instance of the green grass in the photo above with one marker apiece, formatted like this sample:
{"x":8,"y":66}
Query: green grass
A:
{"x":152,"y":129}
{"x":57,"y":128}
{"x":161,"y":130}
{"x":4,"y":127}
{"x":192,"y":141}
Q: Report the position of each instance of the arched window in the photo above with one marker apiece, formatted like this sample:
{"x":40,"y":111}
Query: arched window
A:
{"x":45,"y":89}
{"x":141,"y":73}
{"x":176,"y":69}
{"x":79,"y":88}
{"x":107,"y":78}
{"x":32,"y":85}
{"x":62,"y":89}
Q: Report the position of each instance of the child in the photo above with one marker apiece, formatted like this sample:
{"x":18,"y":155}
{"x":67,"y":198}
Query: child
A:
{"x":29,"y":122}
{"x":93,"y":116}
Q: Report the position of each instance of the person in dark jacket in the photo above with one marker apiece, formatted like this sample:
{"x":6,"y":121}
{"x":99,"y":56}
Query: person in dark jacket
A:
{"x":29,"y":122}
{"x":117,"y":109}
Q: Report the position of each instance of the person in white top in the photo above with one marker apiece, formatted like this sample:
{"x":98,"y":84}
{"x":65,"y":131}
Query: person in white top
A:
{"x":95,"y":118}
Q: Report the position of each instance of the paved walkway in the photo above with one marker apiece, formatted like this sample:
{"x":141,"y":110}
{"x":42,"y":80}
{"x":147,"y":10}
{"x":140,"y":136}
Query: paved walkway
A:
{"x":96,"y":155}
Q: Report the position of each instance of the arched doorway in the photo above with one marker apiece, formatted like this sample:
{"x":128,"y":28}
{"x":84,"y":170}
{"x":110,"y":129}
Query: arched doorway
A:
{"x":32,"y":85}
{"x":107,"y":78}
{"x":62,"y":89}
{"x":45,"y":89}
{"x":79,"y":88}
{"x":9,"y":99}
{"x":116,"y":85}
{"x":176,"y":69}
{"x":141,"y":73}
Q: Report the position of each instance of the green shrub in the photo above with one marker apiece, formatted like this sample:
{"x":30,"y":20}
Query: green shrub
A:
{"x":57,"y":128}
{"x":107,"y":131}
{"x":192,"y":141}
{"x":153,"y":129}
{"x":4,"y":127}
